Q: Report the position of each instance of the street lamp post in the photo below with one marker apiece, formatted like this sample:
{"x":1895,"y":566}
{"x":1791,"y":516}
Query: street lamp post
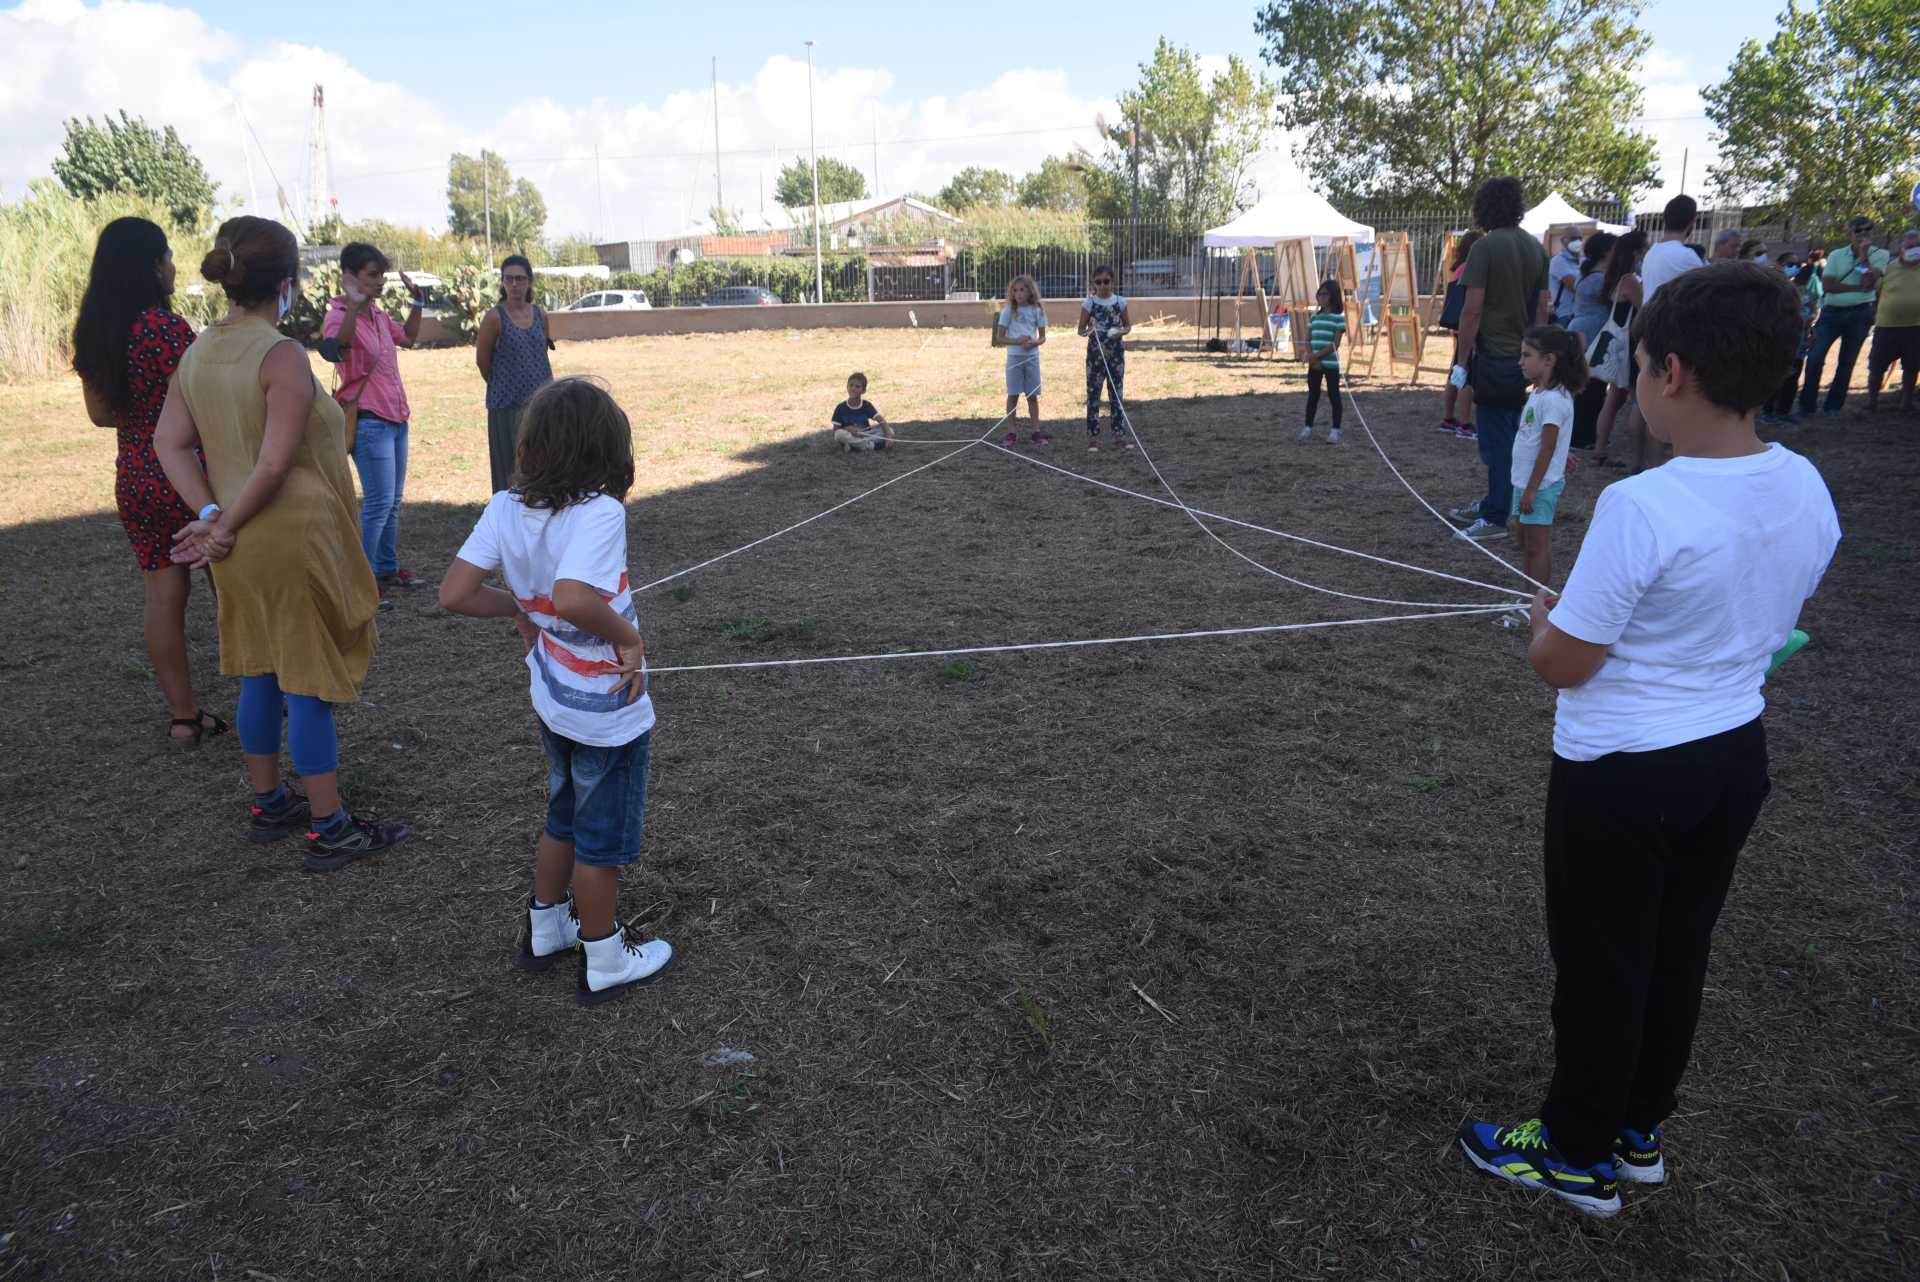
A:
{"x":813,"y":160}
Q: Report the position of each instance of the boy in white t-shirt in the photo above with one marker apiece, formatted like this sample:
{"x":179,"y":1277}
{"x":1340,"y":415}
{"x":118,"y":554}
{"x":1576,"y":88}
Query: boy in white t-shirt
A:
{"x":1690,"y":580}
{"x":559,"y":539}
{"x":1555,"y":365}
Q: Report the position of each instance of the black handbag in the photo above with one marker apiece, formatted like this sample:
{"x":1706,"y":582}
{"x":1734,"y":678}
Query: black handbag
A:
{"x":1452,"y":305}
{"x":1497,"y":382}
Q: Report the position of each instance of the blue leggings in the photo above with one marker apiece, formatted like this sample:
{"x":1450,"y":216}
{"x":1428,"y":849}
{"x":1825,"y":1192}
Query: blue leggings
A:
{"x":316,"y":749}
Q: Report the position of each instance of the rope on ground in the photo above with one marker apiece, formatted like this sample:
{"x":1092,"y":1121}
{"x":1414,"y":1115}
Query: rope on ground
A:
{"x":1249,"y":525}
{"x":1451,"y":527}
{"x":681,"y":574}
{"x":1063,"y":645}
{"x":1120,"y":409}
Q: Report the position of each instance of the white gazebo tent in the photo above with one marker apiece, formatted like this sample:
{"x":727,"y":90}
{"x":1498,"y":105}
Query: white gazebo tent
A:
{"x":1292,"y":226}
{"x":1554,"y":212}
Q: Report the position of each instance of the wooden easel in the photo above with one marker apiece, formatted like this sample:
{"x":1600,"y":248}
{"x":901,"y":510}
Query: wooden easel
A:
{"x":1250,"y":270}
{"x":1343,"y":266}
{"x":1296,"y":282}
{"x":1400,"y":322}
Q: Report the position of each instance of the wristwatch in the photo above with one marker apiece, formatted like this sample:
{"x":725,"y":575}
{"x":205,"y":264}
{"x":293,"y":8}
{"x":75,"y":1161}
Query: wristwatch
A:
{"x":210,"y":508}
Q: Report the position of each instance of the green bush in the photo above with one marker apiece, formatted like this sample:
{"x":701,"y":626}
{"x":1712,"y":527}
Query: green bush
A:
{"x":319,"y":286}
{"x":46,"y":243}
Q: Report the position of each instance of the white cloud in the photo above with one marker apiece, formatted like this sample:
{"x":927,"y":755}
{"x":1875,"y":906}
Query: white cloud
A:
{"x":1674,"y":114}
{"x":389,"y":144}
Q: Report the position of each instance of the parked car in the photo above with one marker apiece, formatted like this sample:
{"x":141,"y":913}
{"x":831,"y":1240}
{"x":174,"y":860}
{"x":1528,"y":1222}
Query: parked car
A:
{"x":614,"y":300}
{"x":1060,"y":286}
{"x":741,"y":296}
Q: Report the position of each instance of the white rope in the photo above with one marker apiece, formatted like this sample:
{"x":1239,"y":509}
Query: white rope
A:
{"x":681,"y":574}
{"x":1249,"y":525}
{"x":1062,"y":645}
{"x":1120,"y":409}
{"x":1451,"y":527}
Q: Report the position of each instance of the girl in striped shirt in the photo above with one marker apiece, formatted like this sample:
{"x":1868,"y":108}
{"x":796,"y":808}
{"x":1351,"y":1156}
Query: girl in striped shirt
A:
{"x":1324,"y":332}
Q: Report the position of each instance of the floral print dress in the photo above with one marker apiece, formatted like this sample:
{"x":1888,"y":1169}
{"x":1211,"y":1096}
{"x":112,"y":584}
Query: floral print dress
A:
{"x":149,"y":508}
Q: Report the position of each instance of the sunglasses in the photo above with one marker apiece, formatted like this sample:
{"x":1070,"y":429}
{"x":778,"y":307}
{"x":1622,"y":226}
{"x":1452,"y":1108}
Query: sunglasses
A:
{"x":1104,"y":280}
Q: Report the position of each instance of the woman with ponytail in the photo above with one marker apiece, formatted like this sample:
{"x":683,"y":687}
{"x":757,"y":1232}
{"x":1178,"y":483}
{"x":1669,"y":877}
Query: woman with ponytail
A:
{"x":126,"y":344}
{"x":276,"y":522}
{"x":511,"y":349}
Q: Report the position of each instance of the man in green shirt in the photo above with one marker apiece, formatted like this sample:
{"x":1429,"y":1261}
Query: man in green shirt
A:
{"x":1853,"y":273}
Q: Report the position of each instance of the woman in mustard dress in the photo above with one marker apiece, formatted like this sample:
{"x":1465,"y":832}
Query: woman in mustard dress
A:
{"x":276,"y":522}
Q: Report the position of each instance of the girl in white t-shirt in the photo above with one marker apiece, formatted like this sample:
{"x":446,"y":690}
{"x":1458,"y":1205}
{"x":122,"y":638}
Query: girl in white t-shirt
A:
{"x":1551,"y":359}
{"x":1021,"y":328}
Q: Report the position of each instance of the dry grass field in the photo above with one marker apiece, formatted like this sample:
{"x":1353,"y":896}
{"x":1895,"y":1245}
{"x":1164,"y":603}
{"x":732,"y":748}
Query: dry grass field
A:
{"x":1173,"y":960}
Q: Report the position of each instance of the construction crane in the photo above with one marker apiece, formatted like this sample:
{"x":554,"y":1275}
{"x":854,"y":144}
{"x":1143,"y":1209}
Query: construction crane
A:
{"x":321,"y":202}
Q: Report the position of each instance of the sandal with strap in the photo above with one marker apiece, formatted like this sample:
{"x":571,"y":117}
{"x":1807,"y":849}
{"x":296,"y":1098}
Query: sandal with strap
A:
{"x":201,"y":730}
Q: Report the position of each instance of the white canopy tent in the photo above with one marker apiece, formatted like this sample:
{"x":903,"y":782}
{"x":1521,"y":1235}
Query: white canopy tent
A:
{"x":1554,"y":211}
{"x":1283,"y":217}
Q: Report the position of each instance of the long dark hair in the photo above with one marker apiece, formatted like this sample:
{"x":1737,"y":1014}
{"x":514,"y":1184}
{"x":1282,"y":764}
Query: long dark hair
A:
{"x":1463,"y":247}
{"x":1597,"y":247}
{"x":1569,"y":356}
{"x":124,"y":282}
{"x":1620,"y":261}
{"x":575,"y":442}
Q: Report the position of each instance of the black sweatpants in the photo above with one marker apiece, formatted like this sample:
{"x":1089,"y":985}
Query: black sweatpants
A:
{"x":1586,"y":415}
{"x":1640,"y":849}
{"x":1315,"y":374}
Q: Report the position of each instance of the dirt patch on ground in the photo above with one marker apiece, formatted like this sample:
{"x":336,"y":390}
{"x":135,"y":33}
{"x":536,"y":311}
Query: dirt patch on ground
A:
{"x":1172,"y":960}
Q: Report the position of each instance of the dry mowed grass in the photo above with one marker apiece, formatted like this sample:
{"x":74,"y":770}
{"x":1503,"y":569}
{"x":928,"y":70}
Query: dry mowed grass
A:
{"x":1179,"y":960}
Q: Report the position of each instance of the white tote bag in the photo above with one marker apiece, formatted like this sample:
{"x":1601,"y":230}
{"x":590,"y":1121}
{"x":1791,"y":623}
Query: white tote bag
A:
{"x":1610,"y":355}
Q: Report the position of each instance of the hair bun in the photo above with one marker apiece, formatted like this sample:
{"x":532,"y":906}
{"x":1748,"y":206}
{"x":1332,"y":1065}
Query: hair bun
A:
{"x":220,"y":266}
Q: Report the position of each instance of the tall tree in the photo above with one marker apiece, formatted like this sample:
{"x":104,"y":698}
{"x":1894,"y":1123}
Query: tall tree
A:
{"x":479,"y":185}
{"x":1826,"y":115}
{"x":838,"y":181}
{"x":1196,"y":137}
{"x":1058,"y":184}
{"x":130,"y":155}
{"x":974,"y":187}
{"x":1419,"y":100}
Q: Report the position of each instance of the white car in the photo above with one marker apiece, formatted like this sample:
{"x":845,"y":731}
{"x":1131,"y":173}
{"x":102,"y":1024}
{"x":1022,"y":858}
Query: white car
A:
{"x":615,"y":300}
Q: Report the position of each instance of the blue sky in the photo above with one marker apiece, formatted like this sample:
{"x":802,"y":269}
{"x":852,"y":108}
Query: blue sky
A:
{"x":606,"y":107}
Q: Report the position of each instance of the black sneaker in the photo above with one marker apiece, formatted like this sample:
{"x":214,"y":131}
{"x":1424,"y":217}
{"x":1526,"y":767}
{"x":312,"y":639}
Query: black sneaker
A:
{"x":1637,"y":1157}
{"x":283,"y":820}
{"x":356,"y":839}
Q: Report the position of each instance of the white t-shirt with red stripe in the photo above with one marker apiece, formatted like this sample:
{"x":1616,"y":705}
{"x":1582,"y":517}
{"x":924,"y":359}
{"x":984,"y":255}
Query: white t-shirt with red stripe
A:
{"x":574,"y":682}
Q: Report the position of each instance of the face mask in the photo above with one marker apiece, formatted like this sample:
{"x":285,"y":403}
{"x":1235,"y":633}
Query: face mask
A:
{"x":1574,"y":246}
{"x":284,"y":303}
{"x":1911,"y":254}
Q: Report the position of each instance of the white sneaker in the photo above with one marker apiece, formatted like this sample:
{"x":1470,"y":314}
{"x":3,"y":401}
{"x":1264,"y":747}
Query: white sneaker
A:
{"x":1333,"y":437}
{"x":1306,"y":433}
{"x":610,"y":966}
{"x":550,"y":932}
{"x":1482,"y":531}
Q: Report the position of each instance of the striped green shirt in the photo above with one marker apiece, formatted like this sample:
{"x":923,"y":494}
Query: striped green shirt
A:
{"x":1323,"y":329}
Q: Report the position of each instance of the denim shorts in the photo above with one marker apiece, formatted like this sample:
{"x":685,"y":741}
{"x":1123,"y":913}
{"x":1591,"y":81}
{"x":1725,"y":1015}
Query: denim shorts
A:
{"x":1023,"y":372}
{"x":597,"y":798}
{"x":1544,"y":501}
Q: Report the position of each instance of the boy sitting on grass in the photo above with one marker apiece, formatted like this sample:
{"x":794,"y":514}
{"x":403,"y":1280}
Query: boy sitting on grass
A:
{"x":1691,"y":577}
{"x":857,"y":424}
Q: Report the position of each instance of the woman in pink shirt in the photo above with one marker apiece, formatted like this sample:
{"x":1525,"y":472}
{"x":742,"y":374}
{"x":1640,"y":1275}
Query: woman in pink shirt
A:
{"x":364,"y":342}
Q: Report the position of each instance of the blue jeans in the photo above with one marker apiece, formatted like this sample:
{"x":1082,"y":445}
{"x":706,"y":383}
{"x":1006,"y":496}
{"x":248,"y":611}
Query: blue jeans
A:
{"x":1497,"y":428}
{"x":597,"y":797}
{"x":1850,"y":326}
{"x":380,"y":451}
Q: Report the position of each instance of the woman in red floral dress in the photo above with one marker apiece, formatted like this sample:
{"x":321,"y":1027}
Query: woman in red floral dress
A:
{"x":126,"y":344}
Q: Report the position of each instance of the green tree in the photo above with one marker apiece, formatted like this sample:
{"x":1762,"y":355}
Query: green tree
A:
{"x":129,"y":155}
{"x":1058,"y":184}
{"x":976,"y":188}
{"x":838,"y":181}
{"x":1826,"y":115}
{"x":1195,"y":137}
{"x":479,"y":185}
{"x":726,"y":222}
{"x":1419,"y":100}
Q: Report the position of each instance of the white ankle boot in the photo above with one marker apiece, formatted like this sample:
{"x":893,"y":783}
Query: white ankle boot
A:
{"x":550,"y":932}
{"x":610,"y":966}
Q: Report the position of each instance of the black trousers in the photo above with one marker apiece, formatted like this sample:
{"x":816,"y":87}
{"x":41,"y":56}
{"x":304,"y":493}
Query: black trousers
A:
{"x":1640,"y":849}
{"x":1315,"y":374}
{"x":1586,"y":415}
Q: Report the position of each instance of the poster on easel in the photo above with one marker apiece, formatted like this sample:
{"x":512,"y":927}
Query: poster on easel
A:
{"x":1249,"y":276}
{"x":1401,"y":321}
{"x":1295,"y":282}
{"x":1343,"y":266}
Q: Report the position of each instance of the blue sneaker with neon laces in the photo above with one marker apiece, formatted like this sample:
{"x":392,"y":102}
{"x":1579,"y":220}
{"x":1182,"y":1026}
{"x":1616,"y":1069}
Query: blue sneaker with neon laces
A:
{"x":1524,"y":1155}
{"x":1636,"y":1156}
